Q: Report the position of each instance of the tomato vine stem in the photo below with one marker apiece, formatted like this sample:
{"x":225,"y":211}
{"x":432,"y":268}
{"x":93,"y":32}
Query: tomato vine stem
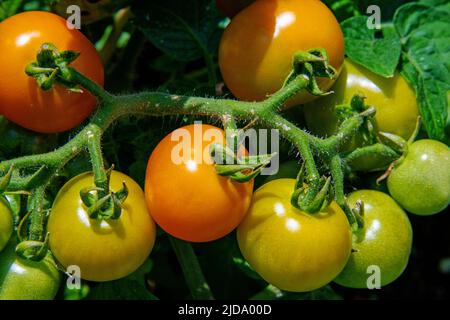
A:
{"x":192,"y":272}
{"x":111,"y":107}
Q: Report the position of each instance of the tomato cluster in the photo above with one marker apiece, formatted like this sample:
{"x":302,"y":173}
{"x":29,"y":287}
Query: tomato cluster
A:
{"x":289,"y":248}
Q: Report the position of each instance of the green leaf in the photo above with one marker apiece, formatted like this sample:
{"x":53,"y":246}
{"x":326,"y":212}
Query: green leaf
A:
{"x":9,"y":7}
{"x":424,"y":29}
{"x":185,"y":30}
{"x":362,"y":45}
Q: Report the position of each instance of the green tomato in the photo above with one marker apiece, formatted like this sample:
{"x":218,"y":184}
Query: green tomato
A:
{"x":6,"y":223}
{"x":421,"y":182}
{"x":384,"y":242}
{"x":22,"y":279}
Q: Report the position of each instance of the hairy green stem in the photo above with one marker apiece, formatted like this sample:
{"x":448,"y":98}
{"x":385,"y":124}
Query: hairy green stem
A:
{"x":338,"y":179}
{"x":190,"y":266}
{"x":37,"y":216}
{"x":98,"y":166}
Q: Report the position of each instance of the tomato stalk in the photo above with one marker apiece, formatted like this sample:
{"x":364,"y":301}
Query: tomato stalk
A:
{"x":190,"y":266}
{"x":307,"y":66}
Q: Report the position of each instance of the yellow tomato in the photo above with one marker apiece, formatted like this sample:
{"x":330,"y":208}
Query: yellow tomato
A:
{"x":290,"y":249}
{"x":104,"y":250}
{"x":393,"y":99}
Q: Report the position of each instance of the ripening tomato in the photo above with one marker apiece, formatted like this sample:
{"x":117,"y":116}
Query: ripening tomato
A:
{"x":104,"y":250}
{"x":21,"y":100}
{"x":420,"y":183}
{"x":393,"y":99}
{"x":257,"y":47}
{"x":383,"y":245}
{"x":291,"y":249}
{"x":6,"y":223}
{"x":185,"y":195}
{"x":22,"y":279}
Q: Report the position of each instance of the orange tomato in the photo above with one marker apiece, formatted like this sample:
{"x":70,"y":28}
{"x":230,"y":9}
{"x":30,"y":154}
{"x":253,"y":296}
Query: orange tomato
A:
{"x":257,"y":47}
{"x":21,"y":100}
{"x":185,"y":195}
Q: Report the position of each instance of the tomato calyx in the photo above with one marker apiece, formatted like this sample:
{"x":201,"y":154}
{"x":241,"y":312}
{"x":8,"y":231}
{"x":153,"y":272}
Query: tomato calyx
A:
{"x":52,"y":66}
{"x":241,"y":169}
{"x":33,"y":250}
{"x":311,"y":64}
{"x":400,"y":145}
{"x":311,"y":196}
{"x":104,"y":205}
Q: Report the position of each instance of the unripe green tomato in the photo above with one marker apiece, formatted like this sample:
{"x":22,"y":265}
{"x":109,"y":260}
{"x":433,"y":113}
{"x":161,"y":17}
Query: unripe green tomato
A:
{"x":421,"y":182}
{"x":384,"y":242}
{"x":6,"y":223}
{"x":22,"y":279}
{"x":393,"y":99}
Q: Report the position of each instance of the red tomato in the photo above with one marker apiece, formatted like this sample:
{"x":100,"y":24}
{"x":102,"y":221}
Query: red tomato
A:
{"x":21,"y":100}
{"x":257,"y":47}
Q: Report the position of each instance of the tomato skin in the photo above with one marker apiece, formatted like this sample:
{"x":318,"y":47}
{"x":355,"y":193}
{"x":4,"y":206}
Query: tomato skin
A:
{"x":385,"y":241}
{"x":257,"y":47}
{"x":6,"y":223}
{"x":22,"y":279}
{"x":104,"y":250}
{"x":290,"y":249}
{"x":393,"y":99}
{"x":230,"y":8}
{"x":421,"y":182}
{"x":190,"y":200}
{"x":21,"y":100}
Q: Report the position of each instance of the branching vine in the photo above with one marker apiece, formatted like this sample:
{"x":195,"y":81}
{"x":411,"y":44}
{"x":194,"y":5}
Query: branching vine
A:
{"x":313,"y":190}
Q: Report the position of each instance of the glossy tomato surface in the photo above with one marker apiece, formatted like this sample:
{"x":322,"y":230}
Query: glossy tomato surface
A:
{"x":290,"y":249}
{"x":6,"y":223}
{"x":257,"y":47}
{"x":22,"y":279}
{"x":104,"y":250}
{"x":420,"y":183}
{"x":185,"y":195}
{"x":21,"y":100}
{"x":384,"y":242}
{"x":393,"y":99}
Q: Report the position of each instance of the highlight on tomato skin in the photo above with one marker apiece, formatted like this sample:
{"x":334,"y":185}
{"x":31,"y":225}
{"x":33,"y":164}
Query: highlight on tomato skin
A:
{"x":291,"y":249}
{"x":21,"y":100}
{"x":187,"y":198}
{"x":272,"y":31}
{"x":103,"y":250}
{"x":383,"y":247}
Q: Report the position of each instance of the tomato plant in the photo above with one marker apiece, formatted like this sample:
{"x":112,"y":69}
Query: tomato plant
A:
{"x":21,"y":100}
{"x":77,"y":239}
{"x":384,"y":242}
{"x":290,"y":249}
{"x":420,"y":183}
{"x":187,"y":86}
{"x":22,"y":279}
{"x":187,"y":198}
{"x":393,"y":99}
{"x":272,"y":32}
{"x":6,"y":223}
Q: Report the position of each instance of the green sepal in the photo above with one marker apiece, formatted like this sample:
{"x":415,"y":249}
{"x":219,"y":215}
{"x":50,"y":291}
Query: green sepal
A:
{"x":33,"y":250}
